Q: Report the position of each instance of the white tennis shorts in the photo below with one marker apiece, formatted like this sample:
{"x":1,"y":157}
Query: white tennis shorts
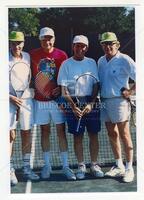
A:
{"x":115,"y":110}
{"x":45,"y":111}
{"x":25,"y":115}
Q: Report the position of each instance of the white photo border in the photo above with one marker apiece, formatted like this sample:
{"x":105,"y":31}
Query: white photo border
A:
{"x":4,"y":99}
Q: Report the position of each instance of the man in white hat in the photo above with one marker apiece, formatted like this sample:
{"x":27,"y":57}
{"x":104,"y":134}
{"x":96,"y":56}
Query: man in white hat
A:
{"x":73,"y":67}
{"x":47,"y":109}
{"x":17,"y":54}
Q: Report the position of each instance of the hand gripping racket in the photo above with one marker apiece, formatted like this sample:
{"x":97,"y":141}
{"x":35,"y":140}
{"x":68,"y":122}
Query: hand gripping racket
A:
{"x":84,"y":88}
{"x":45,"y":80}
{"x":20,"y":77}
{"x":132,"y":102}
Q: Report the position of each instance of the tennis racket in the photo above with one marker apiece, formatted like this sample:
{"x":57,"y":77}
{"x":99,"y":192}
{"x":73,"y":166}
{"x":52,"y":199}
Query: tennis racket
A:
{"x":132,"y":102}
{"x":84,"y":90}
{"x":20,"y":77}
{"x":45,"y":80}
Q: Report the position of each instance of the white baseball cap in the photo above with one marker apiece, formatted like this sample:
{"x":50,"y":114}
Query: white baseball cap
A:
{"x":80,"y":39}
{"x":46,"y":31}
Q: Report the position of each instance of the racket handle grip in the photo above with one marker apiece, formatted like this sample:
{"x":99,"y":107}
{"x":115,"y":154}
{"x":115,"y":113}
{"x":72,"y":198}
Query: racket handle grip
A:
{"x":78,"y":125}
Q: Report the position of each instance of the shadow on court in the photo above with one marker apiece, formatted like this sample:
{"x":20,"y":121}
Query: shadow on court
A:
{"x":58,"y":184}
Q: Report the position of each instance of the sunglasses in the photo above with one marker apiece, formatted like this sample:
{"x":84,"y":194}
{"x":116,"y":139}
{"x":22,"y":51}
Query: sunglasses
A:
{"x":17,"y":43}
{"x":108,"y":43}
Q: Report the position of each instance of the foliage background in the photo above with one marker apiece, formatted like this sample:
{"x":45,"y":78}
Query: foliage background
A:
{"x":70,"y":21}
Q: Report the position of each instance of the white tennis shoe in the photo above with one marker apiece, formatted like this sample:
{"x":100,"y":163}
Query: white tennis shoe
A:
{"x":13,"y":177}
{"x":115,"y":171}
{"x":96,"y":171}
{"x":69,"y":173}
{"x":128,"y":176}
{"x":81,"y":172}
{"x":45,"y":172}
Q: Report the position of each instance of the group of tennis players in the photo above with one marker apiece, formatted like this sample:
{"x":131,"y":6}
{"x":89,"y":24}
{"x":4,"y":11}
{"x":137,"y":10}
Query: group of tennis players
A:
{"x":112,"y":73}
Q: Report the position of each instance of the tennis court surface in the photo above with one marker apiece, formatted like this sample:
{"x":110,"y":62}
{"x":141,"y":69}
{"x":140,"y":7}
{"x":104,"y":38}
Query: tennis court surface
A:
{"x":57,"y":182}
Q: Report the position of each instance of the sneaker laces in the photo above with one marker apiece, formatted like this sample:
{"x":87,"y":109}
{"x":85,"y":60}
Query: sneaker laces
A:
{"x":96,"y":167}
{"x":115,"y":167}
{"x":82,"y":168}
{"x":67,"y":170}
{"x":28,"y":170}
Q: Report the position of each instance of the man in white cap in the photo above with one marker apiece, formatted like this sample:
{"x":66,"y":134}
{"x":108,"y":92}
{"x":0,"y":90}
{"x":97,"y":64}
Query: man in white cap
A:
{"x":73,"y":67}
{"x":115,"y":69}
{"x":16,"y":55}
{"x":47,"y":109}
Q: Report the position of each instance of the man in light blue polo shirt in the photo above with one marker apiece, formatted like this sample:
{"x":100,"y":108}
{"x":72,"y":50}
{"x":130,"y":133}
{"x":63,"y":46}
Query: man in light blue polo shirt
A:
{"x":115,"y":69}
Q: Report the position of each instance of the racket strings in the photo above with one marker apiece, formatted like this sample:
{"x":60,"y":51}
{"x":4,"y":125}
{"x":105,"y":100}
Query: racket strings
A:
{"x":20,"y":76}
{"x":84,"y":90}
{"x":133,"y":108}
{"x":41,"y":81}
{"x":44,"y":84}
{"x":84,"y":85}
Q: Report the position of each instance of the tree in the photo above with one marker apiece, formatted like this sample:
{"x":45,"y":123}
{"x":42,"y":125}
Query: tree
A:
{"x":77,"y":19}
{"x":24,"y":19}
{"x":70,"y":21}
{"x":89,"y":19}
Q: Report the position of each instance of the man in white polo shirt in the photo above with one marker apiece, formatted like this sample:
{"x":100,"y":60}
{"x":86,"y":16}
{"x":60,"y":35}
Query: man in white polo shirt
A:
{"x":72,"y":68}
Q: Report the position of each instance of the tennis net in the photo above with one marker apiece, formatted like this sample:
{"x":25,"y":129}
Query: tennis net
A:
{"x":105,"y":156}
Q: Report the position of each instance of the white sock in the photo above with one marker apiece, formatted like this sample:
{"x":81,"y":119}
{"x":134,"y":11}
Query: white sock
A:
{"x":47,"y":158}
{"x":129,"y":165}
{"x":26,"y":160}
{"x":119,"y":163}
{"x":64,"y":158}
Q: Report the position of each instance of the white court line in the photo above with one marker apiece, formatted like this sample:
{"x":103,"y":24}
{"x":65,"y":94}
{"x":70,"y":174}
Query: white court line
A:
{"x":29,"y":183}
